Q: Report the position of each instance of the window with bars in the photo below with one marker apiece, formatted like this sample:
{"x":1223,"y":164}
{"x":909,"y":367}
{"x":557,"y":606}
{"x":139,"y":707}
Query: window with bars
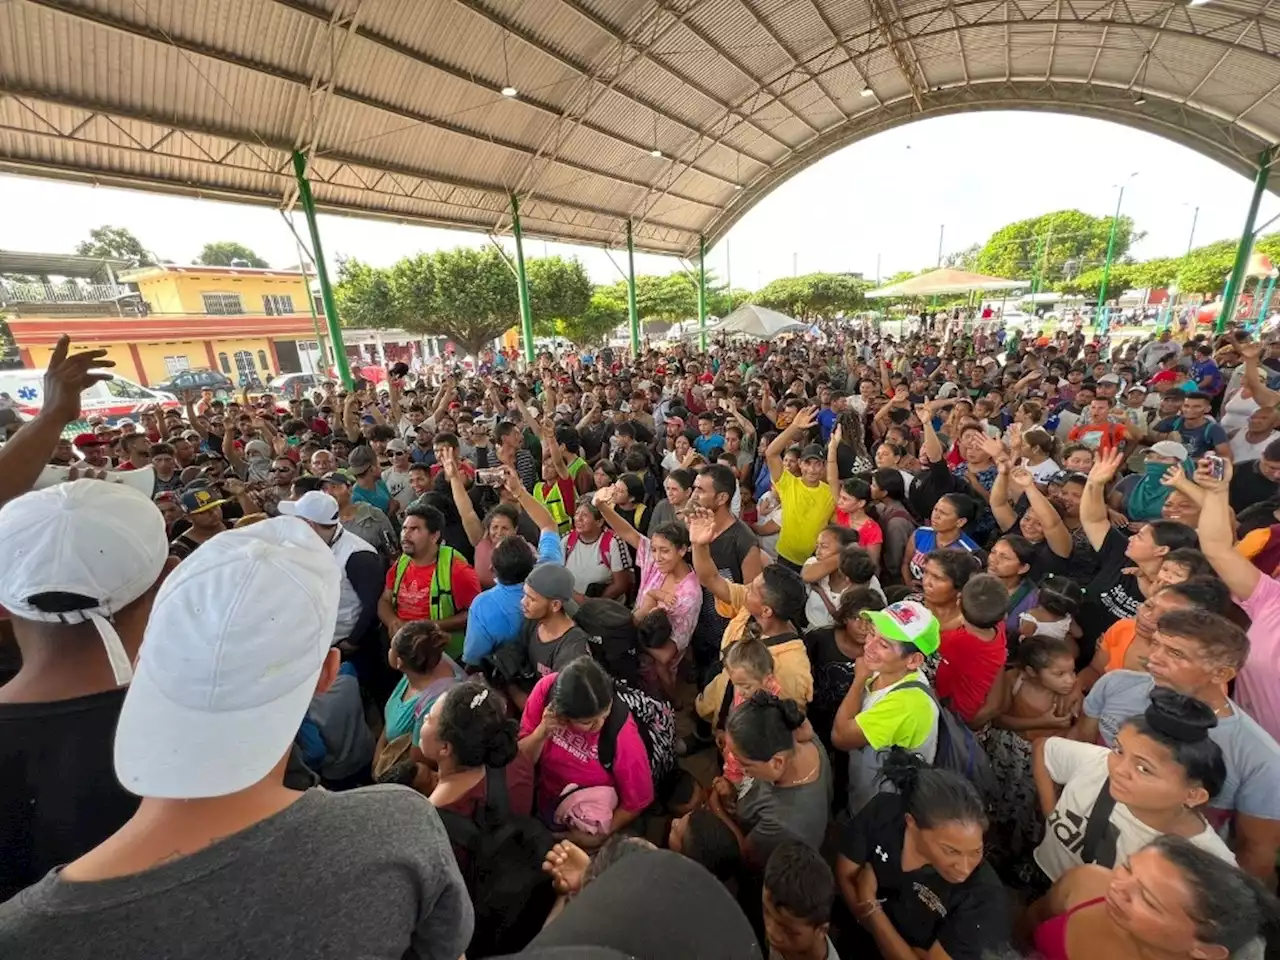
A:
{"x":277,"y":304}
{"x":222,"y":304}
{"x":175,"y":365}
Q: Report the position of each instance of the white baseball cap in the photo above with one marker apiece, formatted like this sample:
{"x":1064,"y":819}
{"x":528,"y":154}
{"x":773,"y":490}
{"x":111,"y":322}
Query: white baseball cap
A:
{"x":102,"y":541}
{"x":234,"y":648}
{"x":314,"y":505}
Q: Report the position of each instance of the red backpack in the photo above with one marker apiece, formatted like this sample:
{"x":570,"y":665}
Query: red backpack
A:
{"x":604,"y":543}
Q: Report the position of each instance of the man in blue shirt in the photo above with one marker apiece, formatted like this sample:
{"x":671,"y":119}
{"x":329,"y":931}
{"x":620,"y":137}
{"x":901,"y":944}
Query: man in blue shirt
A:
{"x":1193,"y":429}
{"x":495,"y":618}
{"x":1205,"y":372}
{"x":826,"y":416}
{"x":707,"y":439}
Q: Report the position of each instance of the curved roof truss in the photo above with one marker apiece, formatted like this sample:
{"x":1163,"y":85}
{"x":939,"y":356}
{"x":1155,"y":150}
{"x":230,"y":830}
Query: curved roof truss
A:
{"x":677,"y":114}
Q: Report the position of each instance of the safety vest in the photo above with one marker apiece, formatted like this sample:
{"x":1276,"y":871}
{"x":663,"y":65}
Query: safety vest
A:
{"x":575,"y":467}
{"x":441,"y":603}
{"x":551,"y":497}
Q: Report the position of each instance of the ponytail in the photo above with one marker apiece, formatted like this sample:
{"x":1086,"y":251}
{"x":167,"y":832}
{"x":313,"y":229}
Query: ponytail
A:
{"x":932,"y":797}
{"x":764,"y":726}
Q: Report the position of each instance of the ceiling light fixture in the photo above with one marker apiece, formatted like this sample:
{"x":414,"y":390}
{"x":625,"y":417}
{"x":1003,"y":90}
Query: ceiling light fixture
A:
{"x":868,"y":92}
{"x":1141,"y":85}
{"x":509,"y":91}
{"x":655,"y":152}
{"x":1139,"y":100}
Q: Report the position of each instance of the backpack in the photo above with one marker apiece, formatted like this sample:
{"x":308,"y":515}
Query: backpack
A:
{"x":656,"y":723}
{"x":503,"y":870}
{"x":1099,"y":843}
{"x":603,"y":545}
{"x":958,"y":747}
{"x":612,"y":637}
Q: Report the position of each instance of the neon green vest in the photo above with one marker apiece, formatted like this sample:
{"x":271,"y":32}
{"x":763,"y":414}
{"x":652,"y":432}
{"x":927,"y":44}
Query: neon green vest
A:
{"x":550,"y":496}
{"x":441,"y":603}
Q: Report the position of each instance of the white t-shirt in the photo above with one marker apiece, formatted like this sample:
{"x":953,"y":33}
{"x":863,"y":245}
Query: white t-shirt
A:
{"x":816,"y":611}
{"x":398,"y":485}
{"x":585,"y":564}
{"x":1242,"y":450}
{"x":769,"y":544}
{"x":1042,"y":471}
{"x":1236,"y":412}
{"x":1081,"y":768}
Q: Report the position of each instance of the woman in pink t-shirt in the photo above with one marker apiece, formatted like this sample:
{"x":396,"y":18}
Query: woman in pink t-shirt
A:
{"x":667,"y":583}
{"x":564,"y":721}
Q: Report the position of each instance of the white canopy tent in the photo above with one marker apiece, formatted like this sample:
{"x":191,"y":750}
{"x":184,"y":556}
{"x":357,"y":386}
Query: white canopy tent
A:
{"x":945,"y":282}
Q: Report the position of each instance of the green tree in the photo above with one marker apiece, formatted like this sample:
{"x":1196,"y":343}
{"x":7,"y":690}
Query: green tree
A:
{"x":559,"y":290}
{"x":813,"y":295}
{"x":603,"y":314}
{"x":475,"y":298}
{"x":1061,"y":244}
{"x":364,"y":295}
{"x":223,"y":252}
{"x":116,"y":243}
{"x":1205,"y":269}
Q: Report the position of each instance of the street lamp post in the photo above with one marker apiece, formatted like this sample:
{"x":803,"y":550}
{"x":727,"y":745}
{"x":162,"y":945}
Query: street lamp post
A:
{"x":1104,"y":314}
{"x":1192,"y":238}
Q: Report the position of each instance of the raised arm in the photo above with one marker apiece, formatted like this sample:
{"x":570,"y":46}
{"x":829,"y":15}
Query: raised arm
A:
{"x":1258,"y":389}
{"x":466,"y":509}
{"x":833,"y":462}
{"x":1215,"y":530}
{"x":702,"y":530}
{"x":1093,"y":505}
{"x":931,"y":443}
{"x":1056,"y":533}
{"x":536,"y":510}
{"x":351,"y":422}
{"x":1001,"y":508}
{"x":618,"y":523}
{"x":393,"y":388}
{"x":773,"y":454}
{"x":25,"y":455}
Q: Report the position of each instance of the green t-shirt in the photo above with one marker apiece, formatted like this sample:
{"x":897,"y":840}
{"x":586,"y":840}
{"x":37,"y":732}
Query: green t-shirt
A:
{"x":890,"y":718}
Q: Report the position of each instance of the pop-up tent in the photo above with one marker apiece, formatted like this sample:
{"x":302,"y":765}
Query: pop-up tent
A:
{"x":942,"y":282}
{"x":762,"y":323}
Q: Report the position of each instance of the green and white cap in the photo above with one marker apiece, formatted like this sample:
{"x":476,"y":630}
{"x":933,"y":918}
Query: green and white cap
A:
{"x":907,"y":622}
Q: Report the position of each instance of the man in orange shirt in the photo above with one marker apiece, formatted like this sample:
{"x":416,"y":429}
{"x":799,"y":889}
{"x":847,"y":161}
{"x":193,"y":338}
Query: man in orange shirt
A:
{"x":1102,"y":431}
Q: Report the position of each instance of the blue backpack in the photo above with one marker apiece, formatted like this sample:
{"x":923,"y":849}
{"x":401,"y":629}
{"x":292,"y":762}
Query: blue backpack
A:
{"x":958,"y":747}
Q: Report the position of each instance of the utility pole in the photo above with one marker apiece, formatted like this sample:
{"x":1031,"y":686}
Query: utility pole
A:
{"x":1103,"y":315}
{"x":1192,"y":238}
{"x":941,"y":231}
{"x":795,"y":264}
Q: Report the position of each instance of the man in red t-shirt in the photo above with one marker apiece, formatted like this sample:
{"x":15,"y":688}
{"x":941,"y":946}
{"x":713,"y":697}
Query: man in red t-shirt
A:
{"x":413,"y":590}
{"x":1102,"y":431}
{"x":973,"y":654}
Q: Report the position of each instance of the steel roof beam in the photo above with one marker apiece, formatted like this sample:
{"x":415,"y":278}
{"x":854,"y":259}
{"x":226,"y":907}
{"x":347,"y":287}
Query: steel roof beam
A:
{"x":786,"y":48}
{"x":156,"y":36}
{"x":525,"y":98}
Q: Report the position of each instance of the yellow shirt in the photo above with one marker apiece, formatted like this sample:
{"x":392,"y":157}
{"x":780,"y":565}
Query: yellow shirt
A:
{"x":790,"y":663}
{"x":805,"y":511}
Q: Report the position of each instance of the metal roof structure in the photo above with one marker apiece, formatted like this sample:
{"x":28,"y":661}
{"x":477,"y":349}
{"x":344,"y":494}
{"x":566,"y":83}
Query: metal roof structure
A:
{"x":677,"y":114}
{"x":57,"y":264}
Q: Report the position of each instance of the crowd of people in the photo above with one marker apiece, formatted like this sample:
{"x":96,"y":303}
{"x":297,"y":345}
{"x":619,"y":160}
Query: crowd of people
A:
{"x":844,"y":645}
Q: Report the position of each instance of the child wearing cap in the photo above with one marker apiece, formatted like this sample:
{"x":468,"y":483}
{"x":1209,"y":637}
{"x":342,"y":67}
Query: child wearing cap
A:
{"x":886,"y":705}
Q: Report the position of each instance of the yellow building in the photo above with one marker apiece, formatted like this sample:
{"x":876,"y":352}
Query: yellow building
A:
{"x":240,"y":321}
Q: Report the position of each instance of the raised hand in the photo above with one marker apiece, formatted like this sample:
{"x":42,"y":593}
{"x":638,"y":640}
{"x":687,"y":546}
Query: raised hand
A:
{"x":1021,"y":476}
{"x":1172,"y":476}
{"x":804,"y":419}
{"x":837,"y":435}
{"x":1249,"y":351}
{"x":69,"y":376}
{"x":1106,"y":466}
{"x":1205,"y":478}
{"x":604,"y":497}
{"x":702,"y":526}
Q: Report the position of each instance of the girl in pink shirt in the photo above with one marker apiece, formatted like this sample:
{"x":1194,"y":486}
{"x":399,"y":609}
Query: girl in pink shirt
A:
{"x":565,"y":721}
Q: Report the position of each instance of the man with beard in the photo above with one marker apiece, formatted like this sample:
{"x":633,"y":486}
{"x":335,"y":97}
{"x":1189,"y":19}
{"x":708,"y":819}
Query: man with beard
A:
{"x":430,"y":581}
{"x":93,"y":447}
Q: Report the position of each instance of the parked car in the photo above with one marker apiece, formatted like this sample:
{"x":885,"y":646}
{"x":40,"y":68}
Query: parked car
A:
{"x":112,"y":399}
{"x":197,"y":380}
{"x":285,"y":384}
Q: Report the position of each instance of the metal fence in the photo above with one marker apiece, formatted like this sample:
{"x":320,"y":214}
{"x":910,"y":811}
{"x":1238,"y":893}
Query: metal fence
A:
{"x":61,"y":292}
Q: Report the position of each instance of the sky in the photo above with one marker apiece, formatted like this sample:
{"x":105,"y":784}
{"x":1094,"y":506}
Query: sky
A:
{"x":877,"y":205}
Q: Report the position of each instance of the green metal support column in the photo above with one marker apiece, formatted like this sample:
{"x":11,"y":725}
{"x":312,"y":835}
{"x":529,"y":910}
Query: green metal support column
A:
{"x":702,"y":294}
{"x":1234,"y":284}
{"x":1266,"y":302}
{"x":633,"y":312}
{"x":322,"y":272}
{"x":1102,"y":319}
{"x":522,"y":282}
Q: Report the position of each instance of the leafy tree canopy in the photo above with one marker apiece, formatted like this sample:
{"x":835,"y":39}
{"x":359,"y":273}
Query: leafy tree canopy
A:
{"x":813,"y":295}
{"x":117,"y":243}
{"x":224,"y":252}
{"x":1057,"y":245}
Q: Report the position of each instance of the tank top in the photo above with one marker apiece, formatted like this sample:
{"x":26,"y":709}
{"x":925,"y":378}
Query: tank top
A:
{"x":927,"y":541}
{"x":1051,"y":936}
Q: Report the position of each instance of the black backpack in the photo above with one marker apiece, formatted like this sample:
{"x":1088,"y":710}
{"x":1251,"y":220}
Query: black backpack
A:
{"x":958,"y":747}
{"x":612,"y":637}
{"x":503,"y":870}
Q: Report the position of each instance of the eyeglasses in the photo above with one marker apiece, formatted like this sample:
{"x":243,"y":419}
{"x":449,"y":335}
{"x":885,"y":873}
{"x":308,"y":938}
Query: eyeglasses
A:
{"x":281,"y":469}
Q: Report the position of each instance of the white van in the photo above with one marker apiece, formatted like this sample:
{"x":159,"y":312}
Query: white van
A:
{"x":113,"y":399}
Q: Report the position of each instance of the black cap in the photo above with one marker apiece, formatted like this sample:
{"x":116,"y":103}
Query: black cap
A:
{"x":813,"y":451}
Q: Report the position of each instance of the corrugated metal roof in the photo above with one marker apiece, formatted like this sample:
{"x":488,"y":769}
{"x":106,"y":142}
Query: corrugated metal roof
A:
{"x":399,"y":102}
